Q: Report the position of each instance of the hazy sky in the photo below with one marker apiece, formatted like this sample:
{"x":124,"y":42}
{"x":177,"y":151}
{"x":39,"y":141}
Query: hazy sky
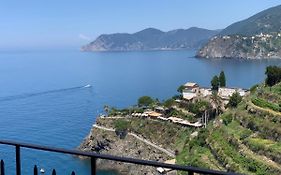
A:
{"x":38,"y":24}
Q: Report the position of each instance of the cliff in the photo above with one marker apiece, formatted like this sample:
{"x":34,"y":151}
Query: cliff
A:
{"x":142,"y":143}
{"x":261,"y":46}
{"x":151,"y":39}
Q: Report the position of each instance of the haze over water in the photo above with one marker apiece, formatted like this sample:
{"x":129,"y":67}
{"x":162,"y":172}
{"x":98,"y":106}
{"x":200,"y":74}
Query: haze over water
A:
{"x":43,"y":98}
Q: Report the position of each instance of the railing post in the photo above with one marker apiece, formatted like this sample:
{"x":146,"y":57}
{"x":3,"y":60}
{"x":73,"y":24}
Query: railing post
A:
{"x":54,"y":172}
{"x":18,"y":166}
{"x":190,"y":173}
{"x":2,"y":168}
{"x":93,"y":166}
{"x":35,"y":170}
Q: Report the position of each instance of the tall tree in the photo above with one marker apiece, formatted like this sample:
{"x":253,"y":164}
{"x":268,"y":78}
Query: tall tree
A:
{"x":222,"y":79}
{"x":215,"y":83}
{"x":273,"y":74}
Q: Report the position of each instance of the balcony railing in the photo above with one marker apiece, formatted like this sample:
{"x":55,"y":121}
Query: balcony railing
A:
{"x":95,"y":156}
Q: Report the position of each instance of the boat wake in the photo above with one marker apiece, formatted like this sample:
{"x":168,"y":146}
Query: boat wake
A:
{"x":28,"y":95}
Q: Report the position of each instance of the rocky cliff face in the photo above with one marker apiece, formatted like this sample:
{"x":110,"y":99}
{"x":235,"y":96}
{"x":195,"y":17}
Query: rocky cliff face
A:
{"x":107,"y":142}
{"x":261,"y":46}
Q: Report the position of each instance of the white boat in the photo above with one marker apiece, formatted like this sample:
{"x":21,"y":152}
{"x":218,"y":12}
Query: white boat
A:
{"x":87,"y":86}
{"x":42,"y":171}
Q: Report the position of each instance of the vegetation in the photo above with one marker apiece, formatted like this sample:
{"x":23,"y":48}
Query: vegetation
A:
{"x":145,"y":101}
{"x":222,"y":79}
{"x":180,"y":88}
{"x":218,"y":81}
{"x":199,"y":107}
{"x":215,"y":83}
{"x":121,"y":125}
{"x":169,"y":103}
{"x":265,"y":104}
{"x":235,"y":99}
{"x":273,"y":74}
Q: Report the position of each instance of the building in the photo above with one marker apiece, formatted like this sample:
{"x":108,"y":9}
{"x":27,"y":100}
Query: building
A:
{"x":205,"y":91}
{"x":153,"y":114}
{"x":190,"y":90}
{"x":225,"y":93}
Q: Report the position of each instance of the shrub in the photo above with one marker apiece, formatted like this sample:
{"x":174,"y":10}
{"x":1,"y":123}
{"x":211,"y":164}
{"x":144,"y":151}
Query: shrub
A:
{"x":235,"y":99}
{"x":145,"y":101}
{"x":121,"y":125}
{"x":227,"y":118}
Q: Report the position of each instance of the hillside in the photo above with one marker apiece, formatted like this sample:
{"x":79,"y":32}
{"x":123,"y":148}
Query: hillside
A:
{"x":261,"y":46}
{"x":246,"y":139}
{"x":267,"y":21}
{"x":151,"y":39}
{"x":254,"y":38}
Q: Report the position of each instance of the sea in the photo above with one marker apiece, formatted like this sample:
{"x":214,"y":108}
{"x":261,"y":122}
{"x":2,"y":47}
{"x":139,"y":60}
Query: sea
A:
{"x":52,"y":98}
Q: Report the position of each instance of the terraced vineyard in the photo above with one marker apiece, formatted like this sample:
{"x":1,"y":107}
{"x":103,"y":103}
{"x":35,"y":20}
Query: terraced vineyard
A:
{"x":246,"y":139}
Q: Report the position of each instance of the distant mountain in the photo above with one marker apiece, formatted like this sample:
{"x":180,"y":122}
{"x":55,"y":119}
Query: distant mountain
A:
{"x":254,"y":38}
{"x":152,"y":39}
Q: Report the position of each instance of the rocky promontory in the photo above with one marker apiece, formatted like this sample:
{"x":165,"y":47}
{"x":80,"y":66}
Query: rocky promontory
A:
{"x":104,"y":139}
{"x":262,"y":46}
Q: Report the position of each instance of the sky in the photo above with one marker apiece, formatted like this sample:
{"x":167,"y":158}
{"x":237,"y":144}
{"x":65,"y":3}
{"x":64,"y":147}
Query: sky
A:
{"x":61,"y":24}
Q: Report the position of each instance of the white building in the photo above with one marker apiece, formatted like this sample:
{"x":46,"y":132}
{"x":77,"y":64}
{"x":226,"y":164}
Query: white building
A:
{"x":205,"y":92}
{"x":190,"y":90}
{"x":225,"y":93}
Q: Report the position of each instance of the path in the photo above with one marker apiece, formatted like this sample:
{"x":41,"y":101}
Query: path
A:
{"x":139,"y":138}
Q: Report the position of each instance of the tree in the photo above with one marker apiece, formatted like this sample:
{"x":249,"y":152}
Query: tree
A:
{"x":215,"y":83}
{"x":235,"y":99}
{"x":145,"y":101}
{"x":169,"y":103}
{"x":222,"y":79}
{"x":273,"y":74}
{"x":180,"y":88}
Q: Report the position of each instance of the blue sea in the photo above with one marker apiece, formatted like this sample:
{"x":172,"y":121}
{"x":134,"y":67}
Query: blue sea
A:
{"x":44,"y":98}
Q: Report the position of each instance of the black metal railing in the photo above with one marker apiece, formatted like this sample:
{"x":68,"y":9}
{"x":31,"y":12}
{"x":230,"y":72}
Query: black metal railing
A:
{"x":95,"y":156}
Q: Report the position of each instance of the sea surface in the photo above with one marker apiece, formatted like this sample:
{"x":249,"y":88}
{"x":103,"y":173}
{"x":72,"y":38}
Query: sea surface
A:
{"x":44,"y":97}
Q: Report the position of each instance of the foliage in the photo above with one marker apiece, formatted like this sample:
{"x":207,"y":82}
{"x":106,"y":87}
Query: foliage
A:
{"x":199,"y":107}
{"x":226,"y":150}
{"x":273,"y":74}
{"x":227,"y":118}
{"x":145,"y":101}
{"x":254,"y":88}
{"x":215,"y":83}
{"x":265,"y":147}
{"x":222,"y":80}
{"x":265,"y":104}
{"x":121,"y":125}
{"x":169,"y":103}
{"x":180,"y":88}
{"x":234,"y":100}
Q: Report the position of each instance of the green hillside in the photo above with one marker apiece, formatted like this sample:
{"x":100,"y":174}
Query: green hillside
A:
{"x":246,"y":139}
{"x":267,"y":21}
